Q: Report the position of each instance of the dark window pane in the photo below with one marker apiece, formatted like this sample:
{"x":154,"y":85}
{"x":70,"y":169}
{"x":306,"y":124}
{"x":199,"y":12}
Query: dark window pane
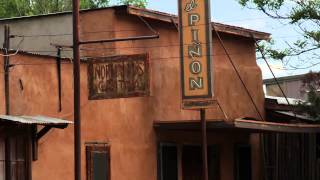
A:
{"x":192,"y":163}
{"x":98,"y":162}
{"x":17,"y":145}
{"x":2,"y":159}
{"x":168,"y":163}
{"x":243,"y":162}
{"x":100,"y":166}
{"x":213,"y":163}
{"x":318,"y":146}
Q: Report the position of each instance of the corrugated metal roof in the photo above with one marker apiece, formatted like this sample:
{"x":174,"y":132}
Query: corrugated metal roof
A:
{"x":298,"y":77}
{"x":300,"y":116}
{"x":38,"y":120}
{"x":282,"y":100}
{"x":162,"y":16}
{"x":13,"y":51}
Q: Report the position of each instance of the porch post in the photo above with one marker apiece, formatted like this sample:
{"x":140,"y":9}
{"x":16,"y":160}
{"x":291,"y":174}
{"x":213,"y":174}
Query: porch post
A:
{"x":204,"y":144}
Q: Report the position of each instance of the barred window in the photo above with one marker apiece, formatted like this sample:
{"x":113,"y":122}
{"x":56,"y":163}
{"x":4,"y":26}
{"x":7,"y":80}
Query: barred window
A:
{"x":98,"y":161}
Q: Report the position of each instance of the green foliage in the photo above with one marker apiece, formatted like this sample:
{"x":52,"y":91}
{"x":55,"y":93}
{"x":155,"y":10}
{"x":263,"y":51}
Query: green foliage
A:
{"x":137,"y":3}
{"x":303,"y":15}
{"x":16,"y":8}
{"x":311,"y":82}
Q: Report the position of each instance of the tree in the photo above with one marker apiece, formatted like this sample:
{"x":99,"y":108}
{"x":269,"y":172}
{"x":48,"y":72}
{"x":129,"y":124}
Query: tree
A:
{"x":304,"y":15}
{"x":16,"y":8}
{"x":137,"y":3}
{"x":311,"y":83}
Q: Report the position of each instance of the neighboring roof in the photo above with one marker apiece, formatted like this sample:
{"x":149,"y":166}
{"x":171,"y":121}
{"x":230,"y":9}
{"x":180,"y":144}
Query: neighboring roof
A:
{"x":284,"y":79}
{"x":273,"y":103}
{"x":244,"y":125}
{"x":22,"y":52}
{"x":161,"y":16}
{"x":277,"y":127}
{"x":282,"y":100}
{"x":299,"y":116}
{"x":37,"y":120}
{"x":224,"y":28}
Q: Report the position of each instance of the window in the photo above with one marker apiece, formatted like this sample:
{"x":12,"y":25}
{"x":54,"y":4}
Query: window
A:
{"x":15,"y":155}
{"x":192,"y":163}
{"x":213,"y":163}
{"x":242,"y":162}
{"x":2,"y":159}
{"x":318,"y":146}
{"x":98,"y":162}
{"x":167,"y":162}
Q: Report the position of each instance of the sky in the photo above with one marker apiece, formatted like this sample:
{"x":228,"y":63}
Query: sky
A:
{"x":230,"y":12}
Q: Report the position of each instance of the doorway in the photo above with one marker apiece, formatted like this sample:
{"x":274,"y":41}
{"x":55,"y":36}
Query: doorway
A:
{"x":192,"y":163}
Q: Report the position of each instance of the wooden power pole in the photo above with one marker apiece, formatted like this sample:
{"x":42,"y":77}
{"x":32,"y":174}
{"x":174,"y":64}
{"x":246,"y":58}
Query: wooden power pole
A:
{"x":76,"y":90}
{"x":6,"y":47}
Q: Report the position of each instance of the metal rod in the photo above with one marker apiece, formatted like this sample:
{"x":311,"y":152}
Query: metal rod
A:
{"x":6,"y":47}
{"x":76,"y":76}
{"x":59,"y":78}
{"x":204,"y":144}
{"x":121,"y":39}
{"x":274,"y":76}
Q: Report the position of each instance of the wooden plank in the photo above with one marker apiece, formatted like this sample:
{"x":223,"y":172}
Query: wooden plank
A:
{"x":277,"y":127}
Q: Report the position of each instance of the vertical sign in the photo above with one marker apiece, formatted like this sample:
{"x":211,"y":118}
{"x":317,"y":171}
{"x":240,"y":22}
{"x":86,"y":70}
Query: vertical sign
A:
{"x":195,"y":51}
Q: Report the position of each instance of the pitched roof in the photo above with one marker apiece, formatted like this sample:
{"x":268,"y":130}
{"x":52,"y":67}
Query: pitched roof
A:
{"x":224,"y":28}
{"x":22,"y":52}
{"x":284,"y":79}
{"x":161,"y":16}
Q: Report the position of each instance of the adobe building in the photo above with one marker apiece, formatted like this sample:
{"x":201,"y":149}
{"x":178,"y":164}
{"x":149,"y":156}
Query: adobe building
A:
{"x":291,"y":85}
{"x":133,"y":126}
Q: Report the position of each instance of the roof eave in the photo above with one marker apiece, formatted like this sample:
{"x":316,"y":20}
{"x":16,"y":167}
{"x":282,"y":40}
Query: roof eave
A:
{"x":223,"y":28}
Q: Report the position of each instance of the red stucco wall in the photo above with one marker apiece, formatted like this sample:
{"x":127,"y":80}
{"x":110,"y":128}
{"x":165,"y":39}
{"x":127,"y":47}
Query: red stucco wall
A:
{"x":127,"y":124}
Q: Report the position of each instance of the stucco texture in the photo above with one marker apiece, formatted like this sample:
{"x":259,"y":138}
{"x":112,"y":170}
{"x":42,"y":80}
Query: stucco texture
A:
{"x":127,"y":123}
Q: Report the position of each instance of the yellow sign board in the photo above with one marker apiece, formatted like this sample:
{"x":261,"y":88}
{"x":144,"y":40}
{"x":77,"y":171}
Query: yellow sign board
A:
{"x":195,"y":51}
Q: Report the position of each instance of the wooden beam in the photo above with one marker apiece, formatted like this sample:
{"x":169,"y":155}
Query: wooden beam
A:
{"x":43,"y":131}
{"x":264,"y":126}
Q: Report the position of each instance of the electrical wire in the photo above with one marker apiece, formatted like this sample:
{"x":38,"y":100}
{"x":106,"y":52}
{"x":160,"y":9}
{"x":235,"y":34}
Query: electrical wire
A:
{"x":274,"y":77}
{"x":15,"y":53}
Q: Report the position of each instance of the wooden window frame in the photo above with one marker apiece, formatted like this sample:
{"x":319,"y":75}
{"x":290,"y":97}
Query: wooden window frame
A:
{"x":10,"y":134}
{"x":90,"y":149}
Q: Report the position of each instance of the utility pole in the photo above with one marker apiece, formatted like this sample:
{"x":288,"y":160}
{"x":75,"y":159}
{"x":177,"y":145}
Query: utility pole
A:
{"x":6,"y":66}
{"x":76,"y":95}
{"x":204,"y":144}
{"x":76,"y":79}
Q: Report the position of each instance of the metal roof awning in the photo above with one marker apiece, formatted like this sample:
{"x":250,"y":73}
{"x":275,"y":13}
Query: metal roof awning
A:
{"x":243,"y":125}
{"x":35,"y":120}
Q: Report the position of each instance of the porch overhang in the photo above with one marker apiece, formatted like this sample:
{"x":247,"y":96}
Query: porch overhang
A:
{"x":240,"y":124}
{"x":265,"y":126}
{"x":33,"y":121}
